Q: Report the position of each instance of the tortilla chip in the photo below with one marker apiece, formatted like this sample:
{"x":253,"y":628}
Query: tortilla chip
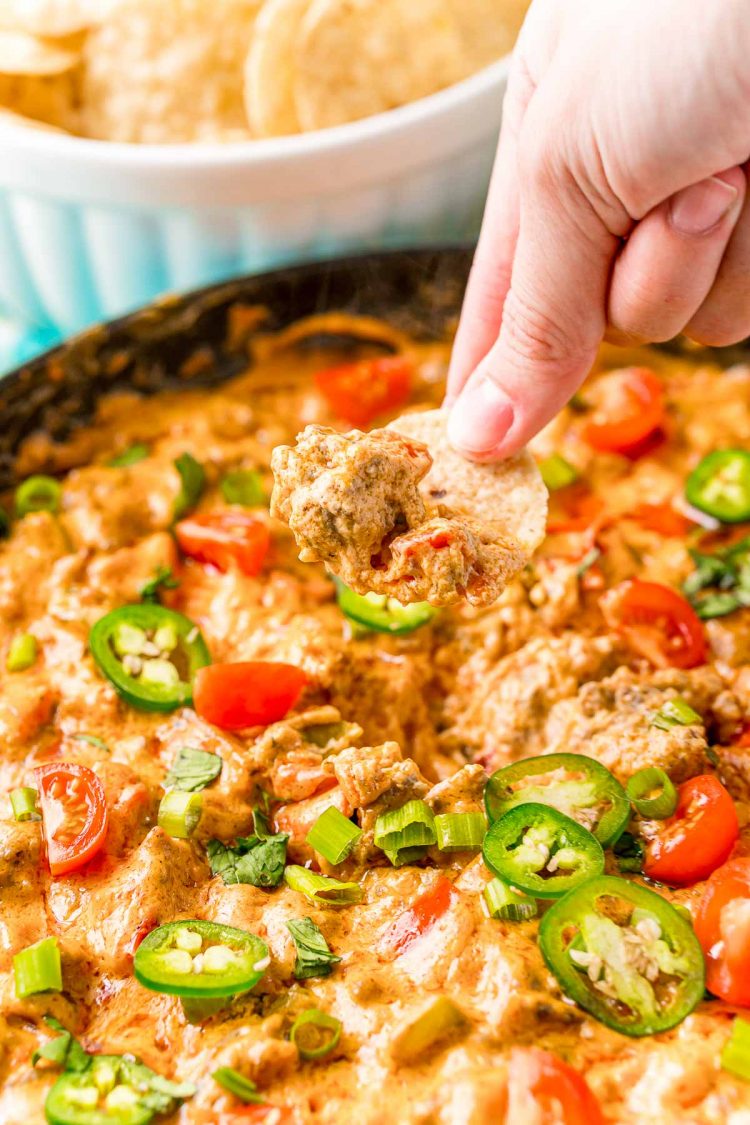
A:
{"x":169,"y":71}
{"x":269,"y":72}
{"x":488,"y":28}
{"x":52,"y":100}
{"x":359,"y":57}
{"x":27,"y":54}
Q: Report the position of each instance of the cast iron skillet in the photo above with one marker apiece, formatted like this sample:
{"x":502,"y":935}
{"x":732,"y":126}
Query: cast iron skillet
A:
{"x":193,"y":340}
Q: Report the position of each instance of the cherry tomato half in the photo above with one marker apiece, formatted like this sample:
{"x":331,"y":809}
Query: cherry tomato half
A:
{"x":250,"y":694}
{"x":539,"y":1081}
{"x":722,"y":926}
{"x":360,"y":392}
{"x":656,"y":622}
{"x":423,"y":913}
{"x":74,"y":814}
{"x":225,"y":539}
{"x":697,"y":838}
{"x":632,"y":409}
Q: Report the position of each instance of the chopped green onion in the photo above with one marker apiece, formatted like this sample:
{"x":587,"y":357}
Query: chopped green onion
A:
{"x":675,"y":713}
{"x":629,"y":852}
{"x":588,"y":561}
{"x":460,"y":832}
{"x":22,"y":653}
{"x":93,"y":740}
{"x":23,"y":803}
{"x":38,"y":494}
{"x":557,"y":472}
{"x":652,"y":793}
{"x":37,"y":968}
{"x":333,"y":835}
{"x":404,"y":833}
{"x":235,"y":1083}
{"x":245,"y":487}
{"x":315,"y":1033}
{"x":503,"y":902}
{"x":179,"y":813}
{"x":437,"y":1020}
{"x":321,"y":889}
{"x":735,"y":1056}
{"x":192,"y":483}
{"x":130,"y":456}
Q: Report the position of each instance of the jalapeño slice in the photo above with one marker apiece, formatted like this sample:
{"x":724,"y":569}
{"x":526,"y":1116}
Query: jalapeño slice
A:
{"x":113,"y":1088}
{"x":574,"y":784}
{"x":381,"y":613}
{"x":536,"y":849}
{"x":720,"y":485}
{"x":197,"y":959}
{"x":624,"y":954}
{"x":149,"y":654}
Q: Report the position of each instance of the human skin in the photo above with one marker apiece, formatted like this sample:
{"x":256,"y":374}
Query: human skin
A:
{"x":618,"y":206}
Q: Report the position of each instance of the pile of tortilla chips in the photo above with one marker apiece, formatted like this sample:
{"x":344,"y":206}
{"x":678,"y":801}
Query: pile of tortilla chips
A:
{"x":173,"y":71}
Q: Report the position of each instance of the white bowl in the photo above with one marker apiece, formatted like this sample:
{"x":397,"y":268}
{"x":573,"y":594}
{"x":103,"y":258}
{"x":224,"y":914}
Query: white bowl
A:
{"x":90,"y":229}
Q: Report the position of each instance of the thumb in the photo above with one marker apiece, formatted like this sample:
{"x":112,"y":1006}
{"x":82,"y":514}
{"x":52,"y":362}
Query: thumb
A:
{"x":553,"y":319}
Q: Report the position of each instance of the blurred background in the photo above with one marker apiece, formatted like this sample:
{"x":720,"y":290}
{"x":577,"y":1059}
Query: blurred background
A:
{"x":152,"y":146}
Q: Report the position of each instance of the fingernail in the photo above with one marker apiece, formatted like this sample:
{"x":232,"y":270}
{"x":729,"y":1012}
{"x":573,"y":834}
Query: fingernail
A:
{"x":481,"y":417}
{"x":699,"y":208}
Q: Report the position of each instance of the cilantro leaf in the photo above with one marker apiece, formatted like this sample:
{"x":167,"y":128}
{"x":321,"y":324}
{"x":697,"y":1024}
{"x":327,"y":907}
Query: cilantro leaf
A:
{"x":193,"y":481}
{"x":130,"y":456}
{"x":259,"y":859}
{"x":64,"y":1050}
{"x":720,"y":583}
{"x":163,"y":579}
{"x":314,"y":958}
{"x":192,"y":770}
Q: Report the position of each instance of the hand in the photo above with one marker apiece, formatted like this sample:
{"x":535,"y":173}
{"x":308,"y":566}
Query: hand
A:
{"x":617,"y":205}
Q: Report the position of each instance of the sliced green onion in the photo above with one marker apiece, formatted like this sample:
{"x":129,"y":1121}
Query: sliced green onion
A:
{"x":235,"y":1083}
{"x":23,"y":803}
{"x":38,"y":494}
{"x":652,"y":793}
{"x":503,"y":902}
{"x":735,"y":1056}
{"x":675,"y":713}
{"x":192,"y":483}
{"x":22,"y":653}
{"x":333,"y":835}
{"x":93,"y":740}
{"x":404,"y":833}
{"x":37,"y":968}
{"x":179,"y":813}
{"x":460,"y":832}
{"x":629,"y":852}
{"x":320,"y":888}
{"x":438,"y":1019}
{"x":245,"y":487}
{"x":557,"y":472}
{"x":315,"y":1033}
{"x":130,"y":456}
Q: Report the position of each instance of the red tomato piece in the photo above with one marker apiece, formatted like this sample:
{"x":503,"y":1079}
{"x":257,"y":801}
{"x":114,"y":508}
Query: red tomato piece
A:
{"x":722,"y":926}
{"x":698,"y":838}
{"x":663,"y":519}
{"x":360,"y":392}
{"x":541,"y":1081}
{"x":74,"y":814}
{"x":423,"y":913}
{"x":249,"y":694}
{"x":225,"y":539}
{"x":657,"y":623}
{"x":632,"y":409}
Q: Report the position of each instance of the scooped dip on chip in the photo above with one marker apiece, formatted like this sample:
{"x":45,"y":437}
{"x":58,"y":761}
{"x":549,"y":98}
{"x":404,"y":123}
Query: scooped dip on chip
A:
{"x":399,"y":512}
